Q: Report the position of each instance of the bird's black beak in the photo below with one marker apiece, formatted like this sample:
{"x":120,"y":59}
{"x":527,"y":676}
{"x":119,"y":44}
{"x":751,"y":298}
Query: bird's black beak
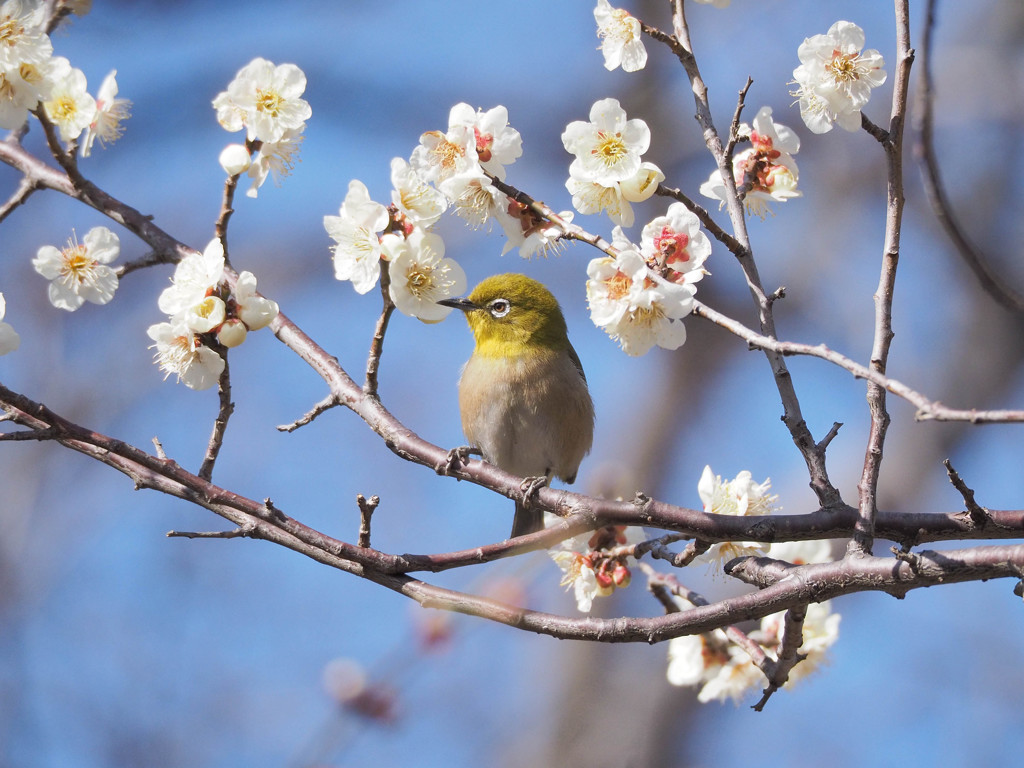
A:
{"x":462,"y":303}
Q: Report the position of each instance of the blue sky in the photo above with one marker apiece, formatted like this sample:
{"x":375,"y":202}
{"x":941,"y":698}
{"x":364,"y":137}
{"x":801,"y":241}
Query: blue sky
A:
{"x":119,"y":646}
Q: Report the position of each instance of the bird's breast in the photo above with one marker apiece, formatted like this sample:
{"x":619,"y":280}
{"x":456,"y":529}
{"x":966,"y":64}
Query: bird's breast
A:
{"x":529,"y":414}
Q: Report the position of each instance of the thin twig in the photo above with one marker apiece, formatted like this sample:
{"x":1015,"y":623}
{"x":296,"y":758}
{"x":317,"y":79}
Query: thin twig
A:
{"x":326,"y":404}
{"x":702,"y":213}
{"x":220,"y":424}
{"x":979,"y":515}
{"x":792,"y":415}
{"x":377,"y":343}
{"x":926,"y":409}
{"x":788,"y":654}
{"x":25,"y":189}
{"x":924,"y":149}
{"x":867,"y":488}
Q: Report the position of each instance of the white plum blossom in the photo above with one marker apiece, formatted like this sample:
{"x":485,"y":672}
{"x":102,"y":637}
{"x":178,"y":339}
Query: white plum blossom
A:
{"x":419,"y":202}
{"x":9,"y":338}
{"x":497,"y":143}
{"x":106,"y":121}
{"x":79,"y":272}
{"x":592,"y":567}
{"x":274,"y":158}
{"x":675,"y":242}
{"x":835,"y":77}
{"x":180,"y":351}
{"x":525,"y":230}
{"x":592,"y":197}
{"x":608,"y":173}
{"x":194,"y":278}
{"x":633,"y":304}
{"x":441,"y":155}
{"x":621,"y":39}
{"x":766,"y":171}
{"x":741,"y":497}
{"x":802,"y":552}
{"x":22,"y":37}
{"x":22,"y":87}
{"x":421,"y":276}
{"x":476,"y":200}
{"x":355,"y":231}
{"x":736,"y":676}
{"x":205,"y":315}
{"x":254,"y":310}
{"x":201,"y":308}
{"x":265,"y":99}
{"x":608,"y":148}
{"x":68,"y":105}
{"x":711,"y":660}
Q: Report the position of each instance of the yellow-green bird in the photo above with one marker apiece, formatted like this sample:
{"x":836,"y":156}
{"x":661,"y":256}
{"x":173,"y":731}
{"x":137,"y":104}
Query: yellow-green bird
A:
{"x":523,"y":395}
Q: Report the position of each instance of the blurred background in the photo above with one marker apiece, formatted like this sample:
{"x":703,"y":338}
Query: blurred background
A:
{"x":120,"y":647}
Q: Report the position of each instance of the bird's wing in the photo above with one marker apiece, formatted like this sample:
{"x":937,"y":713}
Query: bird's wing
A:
{"x":576,"y":361}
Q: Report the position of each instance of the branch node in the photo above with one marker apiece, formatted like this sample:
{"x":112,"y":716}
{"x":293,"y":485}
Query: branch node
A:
{"x":366,"y":510}
{"x":979,"y":515}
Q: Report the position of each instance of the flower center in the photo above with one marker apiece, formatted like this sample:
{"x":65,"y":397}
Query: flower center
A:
{"x":672,"y":245}
{"x":618,"y":285}
{"x":611,"y":149}
{"x":77,"y":263}
{"x":446,"y":153}
{"x":269,"y":101}
{"x":844,"y":67}
{"x":484,"y":144}
{"x":10,"y":31}
{"x":618,"y":28}
{"x":63,"y":108}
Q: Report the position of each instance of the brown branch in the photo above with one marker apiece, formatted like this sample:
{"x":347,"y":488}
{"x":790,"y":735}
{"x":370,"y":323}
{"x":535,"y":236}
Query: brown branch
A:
{"x":324,"y":405}
{"x":220,"y":424}
{"x":25,"y":189}
{"x":867,"y":488}
{"x":978,"y":513}
{"x":935,"y":189}
{"x":926,"y":409}
{"x":706,"y":221}
{"x":792,"y":416}
{"x":366,"y":509}
{"x":377,"y":344}
{"x":788,"y":653}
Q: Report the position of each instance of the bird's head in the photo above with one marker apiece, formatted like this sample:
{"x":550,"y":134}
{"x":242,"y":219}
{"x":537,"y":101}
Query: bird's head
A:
{"x":512,"y":314}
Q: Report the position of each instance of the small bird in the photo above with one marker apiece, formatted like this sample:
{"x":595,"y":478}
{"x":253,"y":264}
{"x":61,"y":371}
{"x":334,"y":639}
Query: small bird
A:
{"x":523,"y":396}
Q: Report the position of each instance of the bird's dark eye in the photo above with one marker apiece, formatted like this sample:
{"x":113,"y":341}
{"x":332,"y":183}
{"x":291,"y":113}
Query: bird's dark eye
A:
{"x":499,"y":307}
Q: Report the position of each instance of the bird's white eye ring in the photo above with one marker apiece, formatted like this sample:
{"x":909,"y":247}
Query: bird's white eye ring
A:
{"x":499,"y":307}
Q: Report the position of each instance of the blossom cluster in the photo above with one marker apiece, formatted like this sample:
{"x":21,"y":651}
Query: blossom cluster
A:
{"x":724,"y":670}
{"x":32,"y":78}
{"x":741,"y":497}
{"x":640,"y":296}
{"x":597,"y":562}
{"x":835,"y":77}
{"x":206,"y":315}
{"x":764,"y":172}
{"x":456,"y":169}
{"x":266,"y":101}
{"x":608,"y":173}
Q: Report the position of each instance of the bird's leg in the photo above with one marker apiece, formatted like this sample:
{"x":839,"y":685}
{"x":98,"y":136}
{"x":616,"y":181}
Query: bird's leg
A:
{"x":458,"y":457}
{"x":531,"y":486}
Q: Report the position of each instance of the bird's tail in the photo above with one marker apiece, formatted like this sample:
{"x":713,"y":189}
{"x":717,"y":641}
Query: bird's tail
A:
{"x":527,"y":520}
